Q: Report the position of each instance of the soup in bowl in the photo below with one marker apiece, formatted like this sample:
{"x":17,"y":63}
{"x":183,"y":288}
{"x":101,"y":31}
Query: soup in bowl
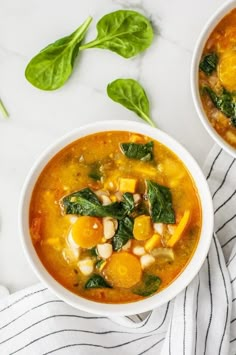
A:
{"x":116,"y":221}
{"x":213,"y":77}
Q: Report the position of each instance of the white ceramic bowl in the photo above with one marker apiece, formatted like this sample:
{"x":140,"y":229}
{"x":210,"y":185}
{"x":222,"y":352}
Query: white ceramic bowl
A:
{"x":182,"y":280}
{"x":209,"y":27}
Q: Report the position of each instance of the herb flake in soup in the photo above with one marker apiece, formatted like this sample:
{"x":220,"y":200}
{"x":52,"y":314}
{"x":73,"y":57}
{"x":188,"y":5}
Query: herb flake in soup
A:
{"x":124,"y":231}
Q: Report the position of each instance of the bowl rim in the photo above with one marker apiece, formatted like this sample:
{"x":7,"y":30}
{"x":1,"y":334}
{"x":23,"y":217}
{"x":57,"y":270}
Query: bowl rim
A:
{"x":214,"y":19}
{"x":193,"y":265}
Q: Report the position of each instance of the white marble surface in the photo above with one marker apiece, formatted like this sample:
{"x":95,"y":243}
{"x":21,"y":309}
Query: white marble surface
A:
{"x":37,"y":117}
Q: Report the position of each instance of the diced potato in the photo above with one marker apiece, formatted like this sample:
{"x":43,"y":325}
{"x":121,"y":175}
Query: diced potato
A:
{"x":142,"y":227}
{"x":146,"y":260}
{"x":153,"y":242}
{"x":127,"y":185}
{"x":231,"y":137}
{"x":86,"y":266}
{"x":179,"y":229}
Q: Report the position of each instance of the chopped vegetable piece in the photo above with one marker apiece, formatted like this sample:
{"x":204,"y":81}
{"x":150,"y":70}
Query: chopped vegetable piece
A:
{"x":179,"y":229}
{"x":148,"y":285}
{"x":123,"y":233}
{"x":123,"y":270}
{"x":160,"y":200}
{"x":96,"y":281}
{"x":154,"y":241}
{"x":138,"y":151}
{"x":166,"y":253}
{"x":209,"y":63}
{"x":127,"y":185}
{"x":87,"y":231}
{"x":142,"y":227}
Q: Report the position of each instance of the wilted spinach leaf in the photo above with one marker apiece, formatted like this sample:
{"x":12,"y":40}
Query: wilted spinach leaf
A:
{"x":123,"y":234}
{"x":130,"y":94}
{"x":125,"y":32}
{"x":209,"y":63}
{"x":50,"y":69}
{"x":96,"y":281}
{"x":86,"y":203}
{"x":138,"y":151}
{"x":95,"y":172}
{"x":225,"y":102}
{"x":160,"y":200}
{"x":128,"y":202}
{"x":148,"y":285}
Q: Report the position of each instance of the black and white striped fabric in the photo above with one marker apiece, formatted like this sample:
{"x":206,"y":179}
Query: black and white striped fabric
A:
{"x":201,"y":320}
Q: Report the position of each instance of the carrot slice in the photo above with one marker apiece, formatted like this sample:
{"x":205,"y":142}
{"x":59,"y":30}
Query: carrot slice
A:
{"x":179,"y":229}
{"x":142,"y":227}
{"x":123,"y":270}
{"x":87,"y":231}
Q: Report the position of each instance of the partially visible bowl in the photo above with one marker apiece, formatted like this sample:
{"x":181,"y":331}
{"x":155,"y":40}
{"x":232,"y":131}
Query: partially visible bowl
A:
{"x":208,"y":28}
{"x":180,"y":282}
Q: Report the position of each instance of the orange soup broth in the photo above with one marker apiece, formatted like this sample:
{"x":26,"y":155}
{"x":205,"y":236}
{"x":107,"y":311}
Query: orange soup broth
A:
{"x":68,"y":172}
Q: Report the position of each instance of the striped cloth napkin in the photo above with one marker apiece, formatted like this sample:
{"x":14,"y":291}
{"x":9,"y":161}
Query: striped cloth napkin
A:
{"x":201,"y":320}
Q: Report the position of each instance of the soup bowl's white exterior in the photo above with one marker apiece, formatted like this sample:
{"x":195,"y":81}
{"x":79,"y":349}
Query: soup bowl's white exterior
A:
{"x":209,"y":27}
{"x":181,"y":281}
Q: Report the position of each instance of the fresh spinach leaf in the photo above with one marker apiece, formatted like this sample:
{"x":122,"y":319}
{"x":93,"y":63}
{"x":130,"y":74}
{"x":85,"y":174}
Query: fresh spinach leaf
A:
{"x":125,"y":32}
{"x":95,"y":172}
{"x":86,"y":203}
{"x":130,"y":94}
{"x":138,"y":151}
{"x":50,"y":69}
{"x":123,"y":234}
{"x":160,"y":201}
{"x":225,"y":102}
{"x":96,"y":281}
{"x":99,"y":263}
{"x":3,"y":109}
{"x":93,"y":252}
{"x":149,"y":285}
{"x":209,"y":63}
{"x":128,"y":202}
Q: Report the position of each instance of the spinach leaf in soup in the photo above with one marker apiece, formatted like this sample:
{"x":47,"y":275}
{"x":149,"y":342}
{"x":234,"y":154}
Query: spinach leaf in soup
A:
{"x":209,"y":63}
{"x":225,"y":102}
{"x":52,"y":67}
{"x":138,"y":151}
{"x":86,"y":203}
{"x":96,"y":281}
{"x":128,"y":202}
{"x":95,"y":172}
{"x":123,"y":234}
{"x":149,"y":285}
{"x":130,"y":94}
{"x":125,"y":32}
{"x":160,"y":201}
